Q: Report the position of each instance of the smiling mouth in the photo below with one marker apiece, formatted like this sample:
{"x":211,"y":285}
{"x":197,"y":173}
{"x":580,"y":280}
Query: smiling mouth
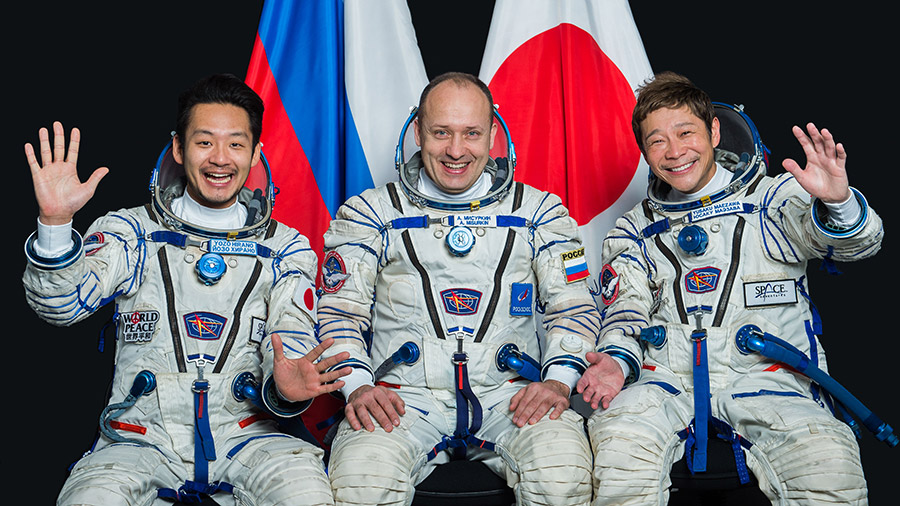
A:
{"x":455,"y":166}
{"x":681,"y":168}
{"x":218,"y":178}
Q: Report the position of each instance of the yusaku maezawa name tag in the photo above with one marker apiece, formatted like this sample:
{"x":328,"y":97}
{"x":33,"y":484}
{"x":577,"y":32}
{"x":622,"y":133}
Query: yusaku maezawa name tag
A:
{"x":770,"y":293}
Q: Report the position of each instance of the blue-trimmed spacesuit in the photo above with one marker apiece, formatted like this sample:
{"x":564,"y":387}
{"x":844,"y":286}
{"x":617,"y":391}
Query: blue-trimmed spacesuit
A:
{"x":681,"y":280}
{"x":195,"y":308}
{"x":459,"y":280}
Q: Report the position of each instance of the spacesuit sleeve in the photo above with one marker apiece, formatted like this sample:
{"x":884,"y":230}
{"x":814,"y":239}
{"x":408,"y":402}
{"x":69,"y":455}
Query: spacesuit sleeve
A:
{"x":291,"y":310}
{"x":107,"y":263}
{"x":571,"y":319}
{"x":353,"y":250}
{"x":626,"y":291}
{"x":796,"y":227}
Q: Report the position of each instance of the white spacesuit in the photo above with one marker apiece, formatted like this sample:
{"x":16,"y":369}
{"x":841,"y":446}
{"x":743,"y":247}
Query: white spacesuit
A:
{"x":195,"y":307}
{"x":459,"y":279}
{"x":681,"y":280}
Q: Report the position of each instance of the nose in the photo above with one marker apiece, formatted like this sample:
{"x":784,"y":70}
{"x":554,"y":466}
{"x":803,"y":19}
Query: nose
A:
{"x":218,"y":155}
{"x":675,"y":149}
{"x":456,"y":147}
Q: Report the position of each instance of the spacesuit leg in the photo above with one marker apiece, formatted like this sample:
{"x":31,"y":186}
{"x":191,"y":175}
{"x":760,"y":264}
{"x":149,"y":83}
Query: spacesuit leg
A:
{"x":120,"y":475}
{"x":635,"y":442}
{"x":801,"y":454}
{"x":278,"y":470}
{"x":381,"y":467}
{"x":548,"y":463}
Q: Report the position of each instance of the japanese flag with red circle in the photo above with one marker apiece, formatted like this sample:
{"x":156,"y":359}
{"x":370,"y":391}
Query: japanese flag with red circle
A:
{"x":563,"y":74}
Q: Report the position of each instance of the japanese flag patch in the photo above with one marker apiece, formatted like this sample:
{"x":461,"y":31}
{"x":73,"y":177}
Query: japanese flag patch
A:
{"x":305,"y":297}
{"x":575,"y":265}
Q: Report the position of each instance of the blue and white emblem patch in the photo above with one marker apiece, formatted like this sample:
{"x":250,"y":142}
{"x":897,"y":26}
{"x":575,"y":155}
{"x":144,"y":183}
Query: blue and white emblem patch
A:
{"x":334,"y":272}
{"x":520,"y":298}
{"x":702,"y":280}
{"x":461,"y":301}
{"x":203,"y":325}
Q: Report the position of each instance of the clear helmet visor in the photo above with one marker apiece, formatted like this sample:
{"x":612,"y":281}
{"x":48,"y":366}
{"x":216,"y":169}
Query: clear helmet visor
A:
{"x":257,"y":195}
{"x":502,"y":165}
{"x":740,"y":151}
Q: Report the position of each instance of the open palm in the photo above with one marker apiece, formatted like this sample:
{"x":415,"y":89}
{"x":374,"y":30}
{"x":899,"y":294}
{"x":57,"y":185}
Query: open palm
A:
{"x":59,"y":191}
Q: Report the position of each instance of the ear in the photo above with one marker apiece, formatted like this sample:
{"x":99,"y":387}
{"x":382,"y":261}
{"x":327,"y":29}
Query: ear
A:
{"x":714,"y":132}
{"x":177,"y":150}
{"x":416,"y":132}
{"x":493,"y":132}
{"x":257,"y":154}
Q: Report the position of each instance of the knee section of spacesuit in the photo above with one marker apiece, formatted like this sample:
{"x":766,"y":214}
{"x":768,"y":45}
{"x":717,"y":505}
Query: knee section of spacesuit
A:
{"x":553,"y":461}
{"x":118,"y":475}
{"x":817,"y":463}
{"x":633,"y":454}
{"x":280,"y":471}
{"x":373,"y":467}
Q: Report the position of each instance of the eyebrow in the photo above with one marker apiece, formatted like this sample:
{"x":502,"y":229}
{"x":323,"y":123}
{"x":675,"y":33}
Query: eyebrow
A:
{"x":681,"y":124}
{"x":238,"y":133}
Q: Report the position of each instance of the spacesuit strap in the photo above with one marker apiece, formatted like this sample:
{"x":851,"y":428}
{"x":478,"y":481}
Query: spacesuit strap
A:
{"x":496,"y":292}
{"x":204,"y":447}
{"x":455,"y":442}
{"x":433,"y":313}
{"x":727,"y":433}
{"x":222,"y":246}
{"x":238,"y":309}
{"x":169,"y":292}
{"x":702,"y":406}
{"x":193,"y":492}
{"x":733,"y":266}
{"x":673,"y":260}
{"x":465,"y":397}
{"x":394,"y":196}
{"x":697,"y":215}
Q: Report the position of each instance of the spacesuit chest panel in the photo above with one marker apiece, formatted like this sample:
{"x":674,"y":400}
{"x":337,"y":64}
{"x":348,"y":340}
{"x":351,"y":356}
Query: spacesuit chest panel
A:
{"x":460,"y":291}
{"x":186,"y":321}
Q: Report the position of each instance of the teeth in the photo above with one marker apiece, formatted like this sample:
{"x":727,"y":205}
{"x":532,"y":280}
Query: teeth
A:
{"x":455,"y":165}
{"x":680,"y":167}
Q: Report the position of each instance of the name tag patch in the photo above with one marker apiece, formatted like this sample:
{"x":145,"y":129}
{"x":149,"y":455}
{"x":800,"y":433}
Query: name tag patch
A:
{"x":770,"y":293}
{"x":520,"y":299}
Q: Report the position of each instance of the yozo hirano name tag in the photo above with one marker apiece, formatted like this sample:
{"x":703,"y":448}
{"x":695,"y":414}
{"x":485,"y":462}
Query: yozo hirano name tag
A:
{"x":770,"y":293}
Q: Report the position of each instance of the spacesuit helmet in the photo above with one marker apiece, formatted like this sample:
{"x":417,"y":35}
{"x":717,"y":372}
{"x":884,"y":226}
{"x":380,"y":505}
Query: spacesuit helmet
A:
{"x":740,"y":151}
{"x":501,"y":165}
{"x":168,"y":181}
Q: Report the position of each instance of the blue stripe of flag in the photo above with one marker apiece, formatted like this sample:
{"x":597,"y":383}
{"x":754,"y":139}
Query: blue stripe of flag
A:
{"x":304,"y":44}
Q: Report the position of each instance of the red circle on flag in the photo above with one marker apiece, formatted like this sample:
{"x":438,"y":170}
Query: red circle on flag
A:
{"x":309,"y":298}
{"x":568,"y":108}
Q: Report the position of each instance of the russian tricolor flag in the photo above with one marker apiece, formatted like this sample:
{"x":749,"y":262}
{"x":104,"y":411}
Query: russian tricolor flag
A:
{"x":338,"y":78}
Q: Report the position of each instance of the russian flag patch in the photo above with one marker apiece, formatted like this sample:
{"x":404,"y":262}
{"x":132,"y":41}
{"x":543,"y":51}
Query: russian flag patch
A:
{"x":575,"y":265}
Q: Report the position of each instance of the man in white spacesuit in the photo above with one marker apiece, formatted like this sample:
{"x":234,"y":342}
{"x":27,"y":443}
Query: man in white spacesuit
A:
{"x":215,"y":315}
{"x":458,"y":261}
{"x":714,"y":256}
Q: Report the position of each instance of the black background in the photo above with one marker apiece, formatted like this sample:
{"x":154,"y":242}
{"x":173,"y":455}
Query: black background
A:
{"x":115,"y":72}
